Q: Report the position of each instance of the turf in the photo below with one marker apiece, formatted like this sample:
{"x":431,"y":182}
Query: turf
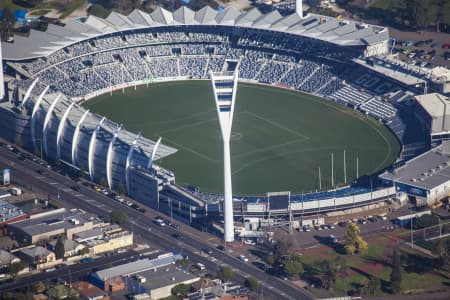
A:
{"x":279,"y":140}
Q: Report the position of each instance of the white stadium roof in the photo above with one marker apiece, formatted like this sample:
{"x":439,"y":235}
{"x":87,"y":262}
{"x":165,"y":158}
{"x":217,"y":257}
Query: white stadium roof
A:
{"x":340,"y":32}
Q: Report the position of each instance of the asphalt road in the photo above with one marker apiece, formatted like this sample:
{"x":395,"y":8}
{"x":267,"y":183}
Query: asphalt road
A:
{"x":189,"y":241}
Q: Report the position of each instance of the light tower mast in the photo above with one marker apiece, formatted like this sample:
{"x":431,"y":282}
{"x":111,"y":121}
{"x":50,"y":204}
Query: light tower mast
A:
{"x":224,"y":86}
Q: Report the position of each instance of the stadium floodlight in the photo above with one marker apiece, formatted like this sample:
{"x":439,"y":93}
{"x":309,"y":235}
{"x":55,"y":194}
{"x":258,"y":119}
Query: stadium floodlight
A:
{"x":2,"y":82}
{"x":299,"y":8}
{"x":224,"y":86}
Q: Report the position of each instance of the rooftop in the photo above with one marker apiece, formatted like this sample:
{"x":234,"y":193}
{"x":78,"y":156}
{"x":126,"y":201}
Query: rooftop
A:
{"x":166,"y":276}
{"x":435,"y":104}
{"x":137,"y":266}
{"x":425,"y":171}
{"x":333,"y":30}
{"x":50,"y":222}
{"x":36,"y":251}
{"x":9,"y":212}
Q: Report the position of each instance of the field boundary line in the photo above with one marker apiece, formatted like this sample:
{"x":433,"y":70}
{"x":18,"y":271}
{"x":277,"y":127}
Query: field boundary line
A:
{"x":276,"y":124}
{"x":267,"y":148}
{"x":201,"y":155}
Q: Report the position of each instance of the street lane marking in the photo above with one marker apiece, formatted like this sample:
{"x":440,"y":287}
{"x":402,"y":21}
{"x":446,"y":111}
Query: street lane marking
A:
{"x":53,"y":183}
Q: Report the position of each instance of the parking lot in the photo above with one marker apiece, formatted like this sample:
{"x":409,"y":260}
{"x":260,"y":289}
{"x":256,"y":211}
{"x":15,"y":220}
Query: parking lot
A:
{"x":427,"y":49}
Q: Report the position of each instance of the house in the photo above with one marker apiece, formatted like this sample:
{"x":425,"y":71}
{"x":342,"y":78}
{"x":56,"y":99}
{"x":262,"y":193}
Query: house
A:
{"x":71,"y":248}
{"x":46,"y":225}
{"x":89,"y":291}
{"x":7,"y":258}
{"x":38,"y":256}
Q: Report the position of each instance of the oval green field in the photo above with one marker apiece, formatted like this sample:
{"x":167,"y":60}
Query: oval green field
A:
{"x":280,"y":138}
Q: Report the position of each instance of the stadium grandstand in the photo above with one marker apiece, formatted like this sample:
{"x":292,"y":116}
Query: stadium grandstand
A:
{"x":315,"y":54}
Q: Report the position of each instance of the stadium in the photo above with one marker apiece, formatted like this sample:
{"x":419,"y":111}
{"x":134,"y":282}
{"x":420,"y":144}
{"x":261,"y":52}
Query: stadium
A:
{"x":340,"y":61}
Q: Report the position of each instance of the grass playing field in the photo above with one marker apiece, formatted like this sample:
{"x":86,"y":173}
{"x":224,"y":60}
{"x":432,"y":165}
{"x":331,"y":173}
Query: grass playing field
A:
{"x":280,"y":138}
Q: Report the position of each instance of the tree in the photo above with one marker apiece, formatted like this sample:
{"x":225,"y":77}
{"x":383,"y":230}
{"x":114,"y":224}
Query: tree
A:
{"x":327,"y":272}
{"x":425,"y":221}
{"x":251,"y":283}
{"x":103,"y":181}
{"x":15,"y":268}
{"x":181,"y":289}
{"x":183,"y":263}
{"x":118,"y":217}
{"x":293,"y":268}
{"x":353,"y":241}
{"x":342,"y":270}
{"x":270,"y":259}
{"x":37,"y":287}
{"x":121,"y":188}
{"x":82,"y":172}
{"x":396,"y":274}
{"x":444,"y":256}
{"x":226,"y":274}
{"x":373,"y":285}
{"x":59,"y":248}
{"x":98,"y":11}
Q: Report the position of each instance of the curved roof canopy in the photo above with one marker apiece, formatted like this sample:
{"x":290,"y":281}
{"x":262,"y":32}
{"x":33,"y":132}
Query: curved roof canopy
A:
{"x":340,"y":32}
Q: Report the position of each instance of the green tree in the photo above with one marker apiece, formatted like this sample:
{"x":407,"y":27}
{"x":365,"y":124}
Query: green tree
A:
{"x":82,"y":172}
{"x":444,"y":256}
{"x":270,"y":259}
{"x":183,"y":263}
{"x":396,"y":274}
{"x":181,"y":289}
{"x":353,"y":241}
{"x":37,"y":287}
{"x":425,"y":221}
{"x":98,"y":11}
{"x":293,"y":267}
{"x":59,"y":248}
{"x":103,"y":181}
{"x":226,"y":274}
{"x":15,"y":268}
{"x":118,"y":217}
{"x":121,"y":188}
{"x":327,"y":274}
{"x":251,"y":283}
{"x":373,"y":285}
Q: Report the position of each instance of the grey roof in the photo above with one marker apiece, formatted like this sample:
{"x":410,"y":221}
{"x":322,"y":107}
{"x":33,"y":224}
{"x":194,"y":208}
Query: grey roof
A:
{"x":137,"y":266}
{"x":425,"y":171}
{"x":9,"y":211}
{"x":88,"y":234}
{"x":36,"y":251}
{"x":435,"y":104}
{"x":6,"y":257}
{"x":69,"y":245}
{"x":165,"y":277}
{"x":184,"y":15}
{"x":341,"y":32}
{"x":248,"y":18}
{"x":206,"y":15}
{"x":52,"y":222}
{"x":438,"y":107}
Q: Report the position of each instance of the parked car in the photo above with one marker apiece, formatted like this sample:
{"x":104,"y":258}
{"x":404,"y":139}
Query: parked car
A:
{"x":249,"y":242}
{"x":243,"y":258}
{"x":207,"y":250}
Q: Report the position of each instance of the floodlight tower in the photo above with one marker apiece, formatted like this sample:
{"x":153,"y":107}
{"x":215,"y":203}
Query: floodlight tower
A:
{"x":2,"y":82}
{"x":224,"y":86}
{"x":299,"y":8}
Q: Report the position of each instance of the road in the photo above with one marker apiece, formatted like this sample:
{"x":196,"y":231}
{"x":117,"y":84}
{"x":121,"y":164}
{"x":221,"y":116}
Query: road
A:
{"x":190,"y":241}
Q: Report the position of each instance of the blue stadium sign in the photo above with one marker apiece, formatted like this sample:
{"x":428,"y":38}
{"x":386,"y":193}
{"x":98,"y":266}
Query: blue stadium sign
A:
{"x":411,"y":190}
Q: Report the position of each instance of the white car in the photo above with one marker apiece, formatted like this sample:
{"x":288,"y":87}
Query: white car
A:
{"x":249,"y":242}
{"x":243,"y":258}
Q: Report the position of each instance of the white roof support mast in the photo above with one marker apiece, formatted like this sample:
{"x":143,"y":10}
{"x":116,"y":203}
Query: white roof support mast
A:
{"x":2,"y":81}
